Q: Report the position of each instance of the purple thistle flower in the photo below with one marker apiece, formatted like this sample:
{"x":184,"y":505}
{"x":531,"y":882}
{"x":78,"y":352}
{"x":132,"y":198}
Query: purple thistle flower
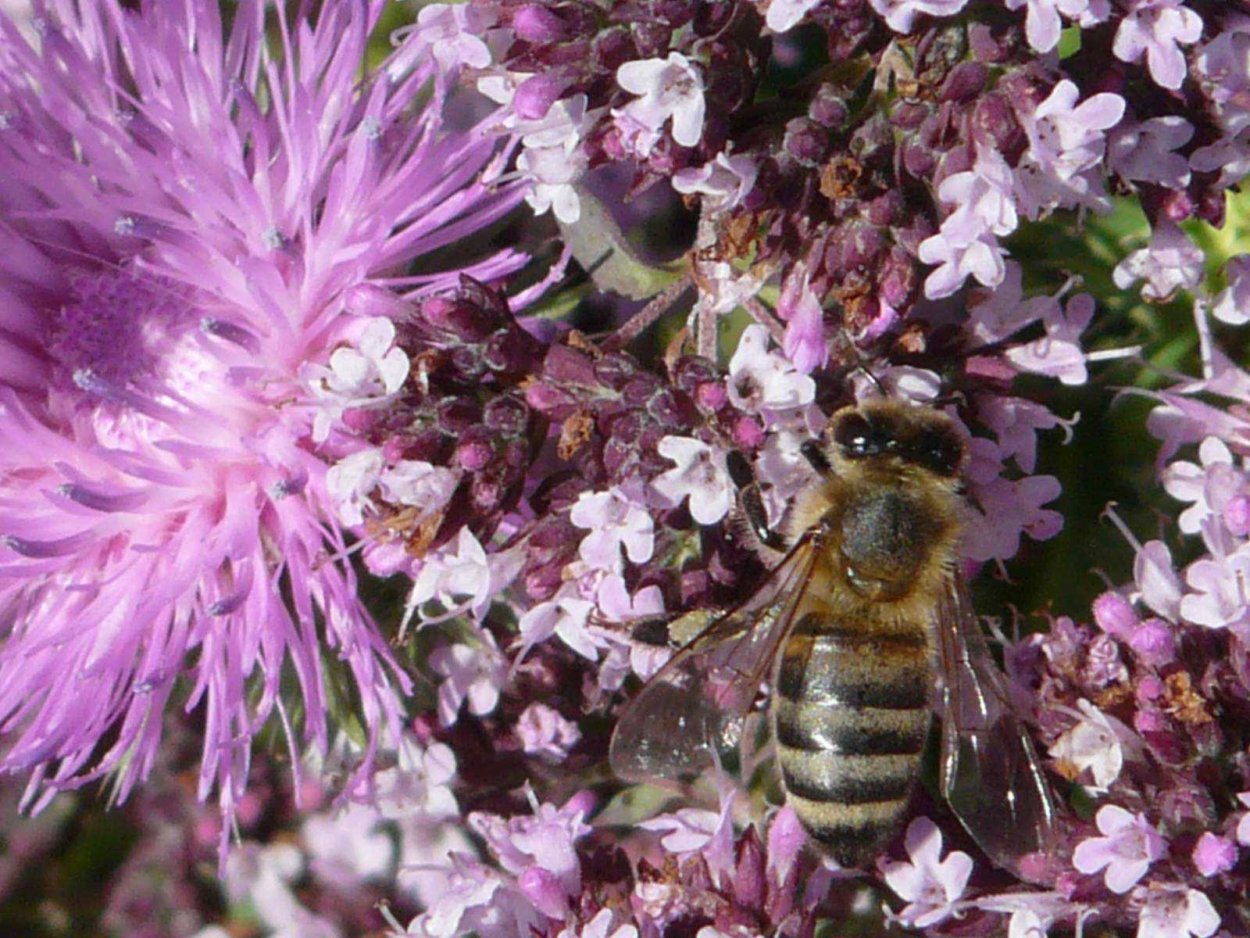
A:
{"x":193,"y":220}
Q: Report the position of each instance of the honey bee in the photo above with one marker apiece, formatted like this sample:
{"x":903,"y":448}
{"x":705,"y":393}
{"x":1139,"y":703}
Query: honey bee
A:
{"x":863,"y":629}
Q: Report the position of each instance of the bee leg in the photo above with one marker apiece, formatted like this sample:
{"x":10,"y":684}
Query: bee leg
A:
{"x":752,"y":502}
{"x":673,"y":631}
{"x":814,"y":453}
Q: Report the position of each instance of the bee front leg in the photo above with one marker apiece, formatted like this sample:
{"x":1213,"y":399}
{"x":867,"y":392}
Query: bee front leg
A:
{"x":673,"y":631}
{"x":753,"y":520}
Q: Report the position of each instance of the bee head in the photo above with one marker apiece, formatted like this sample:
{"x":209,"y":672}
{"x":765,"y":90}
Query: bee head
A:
{"x":884,"y":430}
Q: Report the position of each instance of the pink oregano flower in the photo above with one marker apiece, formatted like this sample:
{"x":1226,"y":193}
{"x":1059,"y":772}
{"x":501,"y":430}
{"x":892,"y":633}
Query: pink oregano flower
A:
{"x":931,"y":886}
{"x":1127,"y":848}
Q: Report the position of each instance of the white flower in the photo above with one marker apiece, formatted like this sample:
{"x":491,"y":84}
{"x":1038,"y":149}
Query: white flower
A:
{"x":614,"y":521}
{"x":461,"y":578}
{"x":474,"y":673}
{"x":553,"y":171}
{"x":565,"y":617}
{"x":670,"y":88}
{"x":350,"y":483}
{"x":448,"y":31}
{"x":723,"y":182}
{"x":760,"y":380}
{"x":1176,"y":912}
{"x":367,"y":372}
{"x":785,"y":14}
{"x":1096,"y":744}
{"x":701,"y":474}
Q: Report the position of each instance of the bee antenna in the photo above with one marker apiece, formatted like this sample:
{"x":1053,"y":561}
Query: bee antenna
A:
{"x":861,"y":365}
{"x":955,"y":396}
{"x":863,"y":369}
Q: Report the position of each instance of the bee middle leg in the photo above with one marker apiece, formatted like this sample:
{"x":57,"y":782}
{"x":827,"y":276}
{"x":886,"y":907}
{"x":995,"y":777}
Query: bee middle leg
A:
{"x":766,"y":540}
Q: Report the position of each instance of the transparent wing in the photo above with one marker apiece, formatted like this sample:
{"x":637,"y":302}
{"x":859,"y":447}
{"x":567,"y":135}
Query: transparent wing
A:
{"x":694,"y":706}
{"x":990,"y":773}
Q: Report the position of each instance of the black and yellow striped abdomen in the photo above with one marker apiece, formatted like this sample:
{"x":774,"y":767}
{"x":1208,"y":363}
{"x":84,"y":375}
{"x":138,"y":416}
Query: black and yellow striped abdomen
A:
{"x":850,"y":710}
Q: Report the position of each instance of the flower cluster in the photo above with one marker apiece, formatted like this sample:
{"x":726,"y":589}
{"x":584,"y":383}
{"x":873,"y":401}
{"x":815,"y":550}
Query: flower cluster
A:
{"x":975,"y":119}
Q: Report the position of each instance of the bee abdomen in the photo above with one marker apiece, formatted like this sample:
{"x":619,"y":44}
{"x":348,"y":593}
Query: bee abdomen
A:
{"x":851,"y":711}
{"x":850,"y":833}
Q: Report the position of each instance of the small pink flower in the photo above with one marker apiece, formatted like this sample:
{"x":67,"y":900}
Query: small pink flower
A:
{"x":615,"y":521}
{"x":1170,"y":263}
{"x":1207,"y":488}
{"x":1127,"y":848}
{"x":545,"y":733}
{"x":804,"y":339}
{"x":1058,"y":354}
{"x":700,"y":474}
{"x":1157,"y":583}
{"x":1214,"y":854}
{"x":1145,"y":152}
{"x":671,"y":88}
{"x":958,"y":255}
{"x":930,"y":888}
{"x":566,"y":617}
{"x":1218,"y":597}
{"x":473,"y":673}
{"x":1157,"y":29}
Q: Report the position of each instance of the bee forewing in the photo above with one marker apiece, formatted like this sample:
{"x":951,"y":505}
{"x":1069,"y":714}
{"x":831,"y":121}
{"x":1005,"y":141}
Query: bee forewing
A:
{"x":990,"y":773}
{"x":694,"y":706}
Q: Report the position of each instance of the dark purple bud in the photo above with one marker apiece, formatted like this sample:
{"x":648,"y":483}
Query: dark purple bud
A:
{"x":616,"y":371}
{"x":994,"y":118}
{"x":1175,"y":205}
{"x":652,"y":37}
{"x":537,"y":93}
{"x":711,"y":395}
{"x":460,"y":315}
{"x":909,"y":115}
{"x":565,"y":365}
{"x":1211,"y":207}
{"x":513,"y":352}
{"x":965,"y":82}
{"x":474,"y":455}
{"x":637,"y":392}
{"x":456,"y":415}
{"x":885,"y":209}
{"x":506,"y":415}
{"x":828,"y":108}
{"x":552,"y":401}
{"x":806,"y":141}
{"x":989,"y":44}
{"x":535,"y":23}
{"x":611,"y":49}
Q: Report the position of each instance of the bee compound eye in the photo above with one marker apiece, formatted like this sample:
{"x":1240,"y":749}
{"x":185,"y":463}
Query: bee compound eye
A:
{"x":853,"y":435}
{"x":939,"y":451}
